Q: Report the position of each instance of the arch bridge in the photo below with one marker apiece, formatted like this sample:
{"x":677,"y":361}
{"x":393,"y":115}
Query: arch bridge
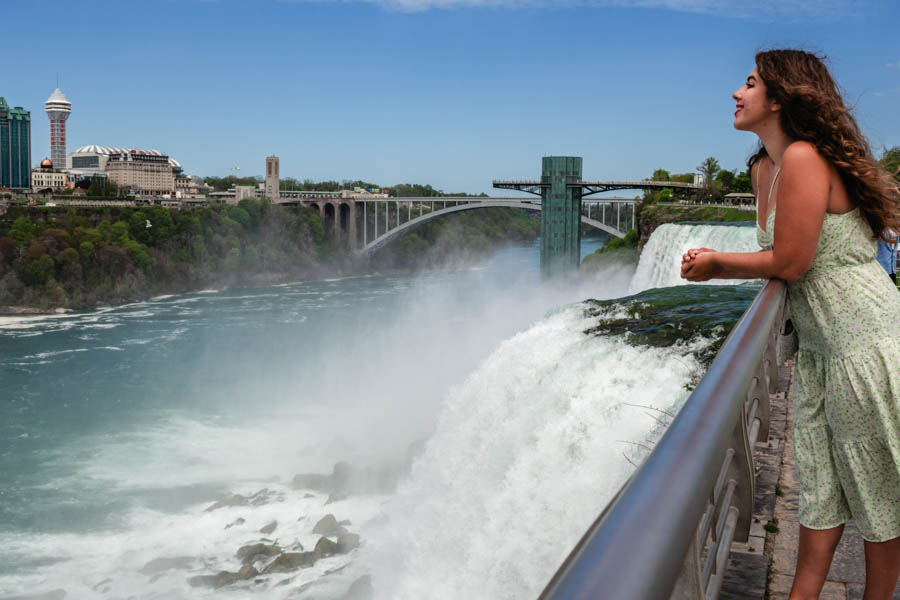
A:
{"x":367,"y":224}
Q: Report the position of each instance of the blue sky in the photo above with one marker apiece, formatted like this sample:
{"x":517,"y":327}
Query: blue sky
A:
{"x":453,"y":93}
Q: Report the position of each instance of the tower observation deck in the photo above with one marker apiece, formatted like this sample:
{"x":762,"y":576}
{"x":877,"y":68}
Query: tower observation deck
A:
{"x":58,"y":109}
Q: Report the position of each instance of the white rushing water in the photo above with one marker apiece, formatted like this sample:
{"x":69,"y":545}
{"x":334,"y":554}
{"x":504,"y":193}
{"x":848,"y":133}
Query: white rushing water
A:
{"x":523,"y":449}
{"x":660,"y":264}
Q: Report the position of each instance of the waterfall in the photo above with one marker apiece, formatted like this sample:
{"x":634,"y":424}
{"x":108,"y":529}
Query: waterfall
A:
{"x":527,"y":451}
{"x":533,"y":444}
{"x":660,"y":263}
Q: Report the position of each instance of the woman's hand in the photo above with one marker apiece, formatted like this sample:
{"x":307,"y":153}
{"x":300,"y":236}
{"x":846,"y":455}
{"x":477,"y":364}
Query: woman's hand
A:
{"x":690,"y":254}
{"x":702,"y":267}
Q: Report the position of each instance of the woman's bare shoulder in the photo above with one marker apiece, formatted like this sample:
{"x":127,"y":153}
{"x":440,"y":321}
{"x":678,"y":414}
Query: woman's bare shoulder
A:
{"x":803,"y":153}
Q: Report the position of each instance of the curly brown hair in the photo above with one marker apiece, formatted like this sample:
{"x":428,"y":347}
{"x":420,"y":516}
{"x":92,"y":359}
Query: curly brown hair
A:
{"x":813,"y":110}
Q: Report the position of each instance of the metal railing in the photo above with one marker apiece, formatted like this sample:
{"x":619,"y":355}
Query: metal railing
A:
{"x":668,"y":531}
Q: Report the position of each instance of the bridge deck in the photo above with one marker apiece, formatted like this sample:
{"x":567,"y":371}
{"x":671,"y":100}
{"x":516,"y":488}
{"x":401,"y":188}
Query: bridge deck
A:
{"x":764,"y":566}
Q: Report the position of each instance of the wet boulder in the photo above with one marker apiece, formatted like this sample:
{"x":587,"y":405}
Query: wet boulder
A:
{"x":325,"y":547}
{"x":223,"y":578}
{"x":232,"y":500}
{"x":251,"y":553}
{"x":269,"y":528}
{"x":347,"y":542}
{"x":235,"y":523}
{"x":291,"y":561}
{"x":328,"y":525}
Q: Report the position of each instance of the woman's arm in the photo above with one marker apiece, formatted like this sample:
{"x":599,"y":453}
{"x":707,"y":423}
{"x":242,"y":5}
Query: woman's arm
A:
{"x":803,"y":190}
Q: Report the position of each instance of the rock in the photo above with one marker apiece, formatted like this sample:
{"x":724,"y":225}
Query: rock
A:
{"x":235,"y":523}
{"x":347,"y":542}
{"x":307,"y":496}
{"x":223,"y":578}
{"x":232,"y":500}
{"x":345,"y":522}
{"x":290,"y":561}
{"x":269,"y":528}
{"x":250,"y":553}
{"x":361,"y":589}
{"x":325,"y":547}
{"x":57,"y":594}
{"x":327,"y":525}
{"x":336,"y":497}
{"x":158,"y":565}
{"x":263,"y":496}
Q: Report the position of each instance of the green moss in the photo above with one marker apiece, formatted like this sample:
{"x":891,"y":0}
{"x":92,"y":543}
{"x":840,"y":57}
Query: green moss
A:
{"x":686,"y":212}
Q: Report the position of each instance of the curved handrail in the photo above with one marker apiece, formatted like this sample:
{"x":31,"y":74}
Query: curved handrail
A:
{"x":642,"y":544}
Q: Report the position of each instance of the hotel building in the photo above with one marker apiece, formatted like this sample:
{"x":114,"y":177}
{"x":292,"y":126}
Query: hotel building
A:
{"x":15,"y":146}
{"x":46,"y":176}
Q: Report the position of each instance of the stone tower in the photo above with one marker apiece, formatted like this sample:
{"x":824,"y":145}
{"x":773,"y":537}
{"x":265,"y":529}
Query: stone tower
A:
{"x":273,"y":192}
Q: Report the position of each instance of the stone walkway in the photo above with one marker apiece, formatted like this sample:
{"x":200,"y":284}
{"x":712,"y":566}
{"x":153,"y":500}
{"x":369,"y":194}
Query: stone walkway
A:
{"x":763,"y":568}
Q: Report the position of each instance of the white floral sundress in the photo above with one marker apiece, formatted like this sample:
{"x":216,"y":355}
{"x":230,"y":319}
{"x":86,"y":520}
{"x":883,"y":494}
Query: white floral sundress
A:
{"x":846,"y":312}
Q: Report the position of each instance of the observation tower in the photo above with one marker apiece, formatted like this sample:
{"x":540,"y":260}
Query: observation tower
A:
{"x":58,"y":109}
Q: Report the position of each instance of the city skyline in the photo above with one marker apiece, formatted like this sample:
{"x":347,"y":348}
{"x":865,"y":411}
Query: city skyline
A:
{"x":452,"y":93}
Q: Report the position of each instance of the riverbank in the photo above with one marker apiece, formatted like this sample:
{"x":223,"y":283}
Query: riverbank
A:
{"x":81,"y":258}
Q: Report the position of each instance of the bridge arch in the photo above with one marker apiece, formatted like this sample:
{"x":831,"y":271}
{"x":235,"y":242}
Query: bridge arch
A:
{"x":412,"y":224}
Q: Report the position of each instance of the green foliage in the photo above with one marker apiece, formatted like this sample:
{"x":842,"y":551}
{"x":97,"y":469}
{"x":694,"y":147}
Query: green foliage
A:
{"x":680,"y":213}
{"x":239,"y":215}
{"x":311,"y":220}
{"x":102,"y":187}
{"x":708,"y":168}
{"x":80,"y":257}
{"x":683,"y":177}
{"x":413,"y":190}
{"x":22,"y":231}
{"x":726,"y":178}
{"x":890,"y":160}
{"x":138,"y":254}
{"x":221,"y":184}
{"x":661,"y":175}
{"x":629,"y":242}
{"x":37,"y":271}
{"x":742,"y":183}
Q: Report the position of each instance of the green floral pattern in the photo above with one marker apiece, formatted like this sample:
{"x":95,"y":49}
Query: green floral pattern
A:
{"x":846,"y":399}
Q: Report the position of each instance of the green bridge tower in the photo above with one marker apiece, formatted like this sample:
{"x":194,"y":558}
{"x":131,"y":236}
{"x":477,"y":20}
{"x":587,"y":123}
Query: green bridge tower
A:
{"x":560,"y":214}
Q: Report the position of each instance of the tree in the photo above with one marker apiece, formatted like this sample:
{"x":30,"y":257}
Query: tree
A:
{"x":726,"y":178}
{"x":708,"y":168}
{"x":890,"y":160}
{"x":742,"y":183}
{"x":661,"y":175}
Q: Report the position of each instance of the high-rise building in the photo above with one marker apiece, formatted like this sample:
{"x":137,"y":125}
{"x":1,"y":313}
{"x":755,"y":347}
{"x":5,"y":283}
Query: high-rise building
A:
{"x":58,"y":109}
{"x":272,"y":179}
{"x":15,"y":146}
{"x":144,"y":172}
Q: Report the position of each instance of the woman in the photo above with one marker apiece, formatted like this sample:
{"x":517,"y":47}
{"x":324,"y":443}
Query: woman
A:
{"x":823,"y":201}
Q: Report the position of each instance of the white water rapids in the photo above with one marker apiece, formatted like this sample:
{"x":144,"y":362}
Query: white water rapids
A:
{"x":525,"y":449}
